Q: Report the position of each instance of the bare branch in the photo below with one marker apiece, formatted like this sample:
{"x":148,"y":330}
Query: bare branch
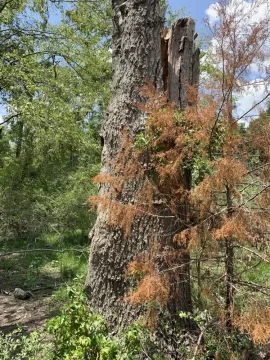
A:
{"x":81,"y":251}
{"x":253,"y":107}
{"x":10,"y":118}
{"x":253,"y":252}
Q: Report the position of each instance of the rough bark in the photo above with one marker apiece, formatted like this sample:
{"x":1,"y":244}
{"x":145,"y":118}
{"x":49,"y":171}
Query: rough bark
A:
{"x":183,"y":71}
{"x":183,"y":61}
{"x":137,"y":57}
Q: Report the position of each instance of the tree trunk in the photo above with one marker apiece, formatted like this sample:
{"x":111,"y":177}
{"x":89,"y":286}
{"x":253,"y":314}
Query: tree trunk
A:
{"x":229,"y":268}
{"x":183,"y":71}
{"x":136,"y":58}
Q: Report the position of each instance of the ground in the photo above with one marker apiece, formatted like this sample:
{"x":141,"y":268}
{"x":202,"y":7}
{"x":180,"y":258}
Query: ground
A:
{"x":44,"y":273}
{"x":30,"y":313}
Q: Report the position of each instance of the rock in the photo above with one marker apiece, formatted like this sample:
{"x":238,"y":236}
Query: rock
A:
{"x":4,"y":292}
{"x":21,"y":294}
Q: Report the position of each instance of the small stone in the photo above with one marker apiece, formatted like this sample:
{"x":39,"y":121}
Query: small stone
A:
{"x":21,"y":294}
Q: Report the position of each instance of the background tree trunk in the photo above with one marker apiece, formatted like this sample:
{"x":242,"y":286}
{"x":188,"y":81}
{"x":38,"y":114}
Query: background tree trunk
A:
{"x":136,"y":58}
{"x":183,"y":71}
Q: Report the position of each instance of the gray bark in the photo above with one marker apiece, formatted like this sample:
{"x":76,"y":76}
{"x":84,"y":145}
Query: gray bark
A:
{"x":136,"y":58}
{"x":183,"y":61}
{"x":183,"y":71}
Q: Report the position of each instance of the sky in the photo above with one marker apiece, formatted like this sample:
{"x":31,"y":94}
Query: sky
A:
{"x":195,"y":8}
{"x":198,"y":10}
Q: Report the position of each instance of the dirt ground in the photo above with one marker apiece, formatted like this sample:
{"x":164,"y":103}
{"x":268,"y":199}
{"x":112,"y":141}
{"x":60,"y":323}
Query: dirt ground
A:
{"x":44,"y":270}
{"x":29,"y":314}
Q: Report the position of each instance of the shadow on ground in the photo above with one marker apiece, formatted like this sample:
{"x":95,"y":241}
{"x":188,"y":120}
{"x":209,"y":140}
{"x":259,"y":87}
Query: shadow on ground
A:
{"x":41,"y":272}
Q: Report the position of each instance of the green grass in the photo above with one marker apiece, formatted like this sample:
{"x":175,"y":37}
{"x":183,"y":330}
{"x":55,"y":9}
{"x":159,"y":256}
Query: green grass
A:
{"x":44,"y":268}
{"x":260,"y":274}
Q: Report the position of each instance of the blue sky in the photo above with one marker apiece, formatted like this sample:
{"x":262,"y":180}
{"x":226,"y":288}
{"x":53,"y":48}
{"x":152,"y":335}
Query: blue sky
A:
{"x":195,"y":8}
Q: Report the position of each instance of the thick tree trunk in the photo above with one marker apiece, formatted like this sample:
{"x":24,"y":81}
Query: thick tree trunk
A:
{"x":136,"y":58}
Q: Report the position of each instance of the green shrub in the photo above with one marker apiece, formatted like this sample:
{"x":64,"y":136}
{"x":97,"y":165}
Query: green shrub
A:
{"x":17,"y":346}
{"x":78,"y":334}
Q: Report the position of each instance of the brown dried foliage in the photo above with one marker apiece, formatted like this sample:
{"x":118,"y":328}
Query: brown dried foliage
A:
{"x":256,"y":323}
{"x":152,"y":289}
{"x":233,"y":228}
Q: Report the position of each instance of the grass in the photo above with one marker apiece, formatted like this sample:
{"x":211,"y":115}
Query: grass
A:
{"x":43,"y":269}
{"x":50,"y":266}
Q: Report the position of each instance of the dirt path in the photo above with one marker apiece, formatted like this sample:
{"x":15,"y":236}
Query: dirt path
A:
{"x":30,"y":313}
{"x":41,"y":273}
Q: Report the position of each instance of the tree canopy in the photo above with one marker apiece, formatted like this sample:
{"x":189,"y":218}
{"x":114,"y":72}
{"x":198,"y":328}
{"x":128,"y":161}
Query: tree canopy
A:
{"x":99,"y":100}
{"x":55,"y":74}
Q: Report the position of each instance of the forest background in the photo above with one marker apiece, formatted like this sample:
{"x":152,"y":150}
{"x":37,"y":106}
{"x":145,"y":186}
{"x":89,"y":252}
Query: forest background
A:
{"x":55,"y":87}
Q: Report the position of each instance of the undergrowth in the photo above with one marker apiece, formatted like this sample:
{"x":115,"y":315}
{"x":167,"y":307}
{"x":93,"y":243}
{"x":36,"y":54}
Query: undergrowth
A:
{"x":77,"y":334}
{"x":44,"y":261}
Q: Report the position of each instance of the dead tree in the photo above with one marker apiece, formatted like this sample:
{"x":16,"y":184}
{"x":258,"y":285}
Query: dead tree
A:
{"x":172,"y":64}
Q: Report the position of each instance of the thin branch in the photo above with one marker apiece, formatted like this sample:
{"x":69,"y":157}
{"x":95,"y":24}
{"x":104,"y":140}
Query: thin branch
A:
{"x":188,"y":262}
{"x":40,"y":249}
{"x":2,"y":8}
{"x":257,"y":287}
{"x":249,"y":268}
{"x":253,"y":107}
{"x":10,"y":118}
{"x":253,"y":252}
{"x":199,"y":343}
{"x":254,"y":196}
{"x":257,"y":168}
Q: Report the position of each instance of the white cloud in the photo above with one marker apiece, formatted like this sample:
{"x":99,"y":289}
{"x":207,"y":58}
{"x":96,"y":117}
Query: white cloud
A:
{"x":211,"y":13}
{"x":244,"y":14}
{"x":254,"y":11}
{"x":253,"y":95}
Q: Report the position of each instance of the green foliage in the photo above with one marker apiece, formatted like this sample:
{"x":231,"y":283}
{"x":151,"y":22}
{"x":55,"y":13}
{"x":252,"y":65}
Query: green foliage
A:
{"x":143,"y":141}
{"x":54,"y":87}
{"x":217,"y":342}
{"x":200,"y":168}
{"x":38,"y":269}
{"x":78,"y":334}
{"x":207,"y":65}
{"x":224,"y":346}
{"x":19,"y":346}
{"x":173,"y":15}
{"x":202,"y":318}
